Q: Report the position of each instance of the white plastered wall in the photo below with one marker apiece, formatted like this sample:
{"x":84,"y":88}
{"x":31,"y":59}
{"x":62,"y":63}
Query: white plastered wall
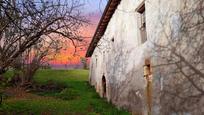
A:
{"x":121,"y":61}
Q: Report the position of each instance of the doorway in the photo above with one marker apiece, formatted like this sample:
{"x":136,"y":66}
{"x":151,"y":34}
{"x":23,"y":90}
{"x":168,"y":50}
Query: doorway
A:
{"x":104,"y":86}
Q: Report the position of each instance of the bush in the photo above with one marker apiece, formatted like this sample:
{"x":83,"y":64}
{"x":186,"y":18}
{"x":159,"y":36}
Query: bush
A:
{"x":68,"y":94}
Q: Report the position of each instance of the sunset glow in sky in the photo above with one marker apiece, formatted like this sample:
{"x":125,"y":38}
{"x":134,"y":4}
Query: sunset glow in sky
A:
{"x":92,"y":10}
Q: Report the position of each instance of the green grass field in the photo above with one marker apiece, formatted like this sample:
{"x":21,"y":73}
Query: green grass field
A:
{"x":78,"y":98}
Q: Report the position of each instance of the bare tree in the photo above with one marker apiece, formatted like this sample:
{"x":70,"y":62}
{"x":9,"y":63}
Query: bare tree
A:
{"x":181,"y":61}
{"x":33,"y":59}
{"x":84,"y":62}
{"x":24,"y":23}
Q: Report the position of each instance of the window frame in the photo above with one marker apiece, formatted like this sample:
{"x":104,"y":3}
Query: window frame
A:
{"x":142,"y":27}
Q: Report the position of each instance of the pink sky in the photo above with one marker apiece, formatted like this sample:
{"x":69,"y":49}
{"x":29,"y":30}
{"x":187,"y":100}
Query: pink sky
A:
{"x":93,"y":10}
{"x":66,"y":56}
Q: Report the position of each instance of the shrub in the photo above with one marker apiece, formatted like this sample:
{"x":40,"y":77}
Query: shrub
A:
{"x":68,"y":94}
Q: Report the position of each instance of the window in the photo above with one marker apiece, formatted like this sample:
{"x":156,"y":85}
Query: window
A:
{"x":142,"y":27}
{"x":112,"y":39}
{"x":96,"y":62}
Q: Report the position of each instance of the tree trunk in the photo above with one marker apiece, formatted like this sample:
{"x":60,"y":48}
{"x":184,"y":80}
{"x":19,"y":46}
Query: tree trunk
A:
{"x":2,"y":71}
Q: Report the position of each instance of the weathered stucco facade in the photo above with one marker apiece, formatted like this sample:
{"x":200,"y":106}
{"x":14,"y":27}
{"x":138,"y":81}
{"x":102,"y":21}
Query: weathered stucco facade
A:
{"x":119,"y":57}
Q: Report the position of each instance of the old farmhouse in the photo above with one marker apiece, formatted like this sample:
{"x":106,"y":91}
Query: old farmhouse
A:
{"x":125,"y":67}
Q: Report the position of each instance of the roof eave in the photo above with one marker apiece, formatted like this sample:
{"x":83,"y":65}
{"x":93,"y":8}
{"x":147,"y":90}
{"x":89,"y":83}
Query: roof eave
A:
{"x":103,"y":23}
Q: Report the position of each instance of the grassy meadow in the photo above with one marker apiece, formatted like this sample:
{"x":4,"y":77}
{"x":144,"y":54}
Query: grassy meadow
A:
{"x":76,"y":98}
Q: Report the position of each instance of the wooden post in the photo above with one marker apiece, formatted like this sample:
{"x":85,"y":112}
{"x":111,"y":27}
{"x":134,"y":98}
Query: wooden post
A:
{"x":149,"y":93}
{"x":148,"y":76}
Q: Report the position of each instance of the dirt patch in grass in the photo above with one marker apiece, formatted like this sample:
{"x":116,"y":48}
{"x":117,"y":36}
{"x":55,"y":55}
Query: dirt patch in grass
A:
{"x":48,"y":90}
{"x":21,"y":94}
{"x":18,"y":93}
